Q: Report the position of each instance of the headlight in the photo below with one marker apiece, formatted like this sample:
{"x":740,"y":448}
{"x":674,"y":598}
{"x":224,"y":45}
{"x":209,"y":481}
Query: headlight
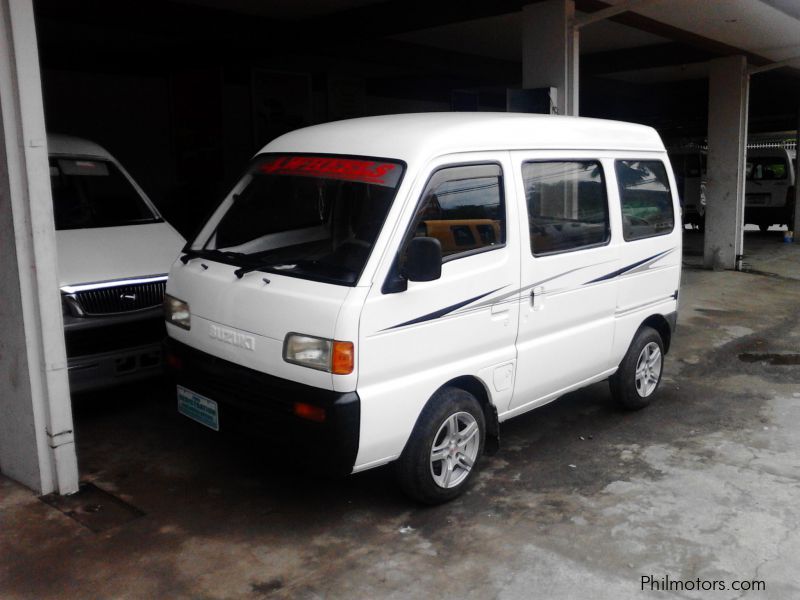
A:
{"x":177,"y":312}
{"x":319,"y":353}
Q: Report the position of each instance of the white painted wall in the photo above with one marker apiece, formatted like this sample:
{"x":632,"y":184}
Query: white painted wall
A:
{"x":37,"y":445}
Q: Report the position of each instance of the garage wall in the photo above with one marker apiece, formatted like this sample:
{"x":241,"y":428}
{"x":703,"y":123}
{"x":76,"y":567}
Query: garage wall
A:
{"x":127,"y":114}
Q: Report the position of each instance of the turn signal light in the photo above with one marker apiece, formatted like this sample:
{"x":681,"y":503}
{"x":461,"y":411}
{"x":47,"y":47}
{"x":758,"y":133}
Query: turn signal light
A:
{"x":309,"y":412}
{"x":342,"y":360}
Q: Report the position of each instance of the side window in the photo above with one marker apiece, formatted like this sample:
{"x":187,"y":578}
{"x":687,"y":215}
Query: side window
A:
{"x":645,"y":198}
{"x":567,"y":205}
{"x":463,"y":207}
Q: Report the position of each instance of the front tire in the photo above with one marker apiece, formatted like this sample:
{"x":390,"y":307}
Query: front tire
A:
{"x":444,"y":449}
{"x":639,"y":375}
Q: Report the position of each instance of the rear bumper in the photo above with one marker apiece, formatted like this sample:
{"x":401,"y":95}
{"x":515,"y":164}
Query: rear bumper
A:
{"x":262,"y":406}
{"x":769,"y":215}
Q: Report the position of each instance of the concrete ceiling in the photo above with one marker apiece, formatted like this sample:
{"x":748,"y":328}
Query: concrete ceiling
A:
{"x":290,"y":10}
{"x":769,"y":28}
{"x":765,"y":30}
{"x":501,"y":37}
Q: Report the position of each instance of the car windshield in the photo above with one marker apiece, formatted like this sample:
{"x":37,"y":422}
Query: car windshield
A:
{"x":91,"y":193}
{"x":314,"y":217}
{"x":766,"y":168}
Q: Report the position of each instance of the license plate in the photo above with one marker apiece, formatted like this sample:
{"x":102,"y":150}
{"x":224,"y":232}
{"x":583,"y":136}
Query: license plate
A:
{"x":197,"y":407}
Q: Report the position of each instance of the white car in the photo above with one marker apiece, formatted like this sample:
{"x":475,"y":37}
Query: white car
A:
{"x":114,"y":251}
{"x":392,"y":288}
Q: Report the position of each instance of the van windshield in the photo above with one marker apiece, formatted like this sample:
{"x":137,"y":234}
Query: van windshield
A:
{"x":314,"y":217}
{"x":766,"y":168}
{"x":91,"y":193}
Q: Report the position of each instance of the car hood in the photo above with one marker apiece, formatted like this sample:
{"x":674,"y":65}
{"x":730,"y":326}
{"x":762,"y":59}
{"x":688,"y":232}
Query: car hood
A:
{"x":109,"y":253}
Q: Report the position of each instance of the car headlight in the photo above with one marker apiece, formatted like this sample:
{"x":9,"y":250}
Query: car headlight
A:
{"x":177,"y":312}
{"x":319,"y":353}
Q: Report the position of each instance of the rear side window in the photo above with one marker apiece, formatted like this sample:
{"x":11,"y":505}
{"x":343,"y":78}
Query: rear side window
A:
{"x":567,"y":205}
{"x":463,"y":207}
{"x":645,"y":198}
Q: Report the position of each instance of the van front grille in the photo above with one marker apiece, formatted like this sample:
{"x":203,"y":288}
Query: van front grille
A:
{"x":120,"y":299}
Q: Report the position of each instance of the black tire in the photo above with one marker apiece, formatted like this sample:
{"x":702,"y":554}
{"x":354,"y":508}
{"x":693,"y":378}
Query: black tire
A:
{"x":415,"y":472}
{"x":623,"y":383}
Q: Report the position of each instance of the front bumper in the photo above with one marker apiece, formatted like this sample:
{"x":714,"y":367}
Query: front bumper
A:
{"x":262,"y":406}
{"x":107,"y":351}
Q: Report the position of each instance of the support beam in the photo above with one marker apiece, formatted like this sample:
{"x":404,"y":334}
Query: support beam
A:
{"x":611,"y":11}
{"x":36,"y":434}
{"x":788,"y":62}
{"x":550,"y":47}
{"x":729,"y":86}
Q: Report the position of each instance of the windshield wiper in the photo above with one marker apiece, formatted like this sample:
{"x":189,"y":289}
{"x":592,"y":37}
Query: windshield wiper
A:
{"x":279,"y":266}
{"x":190,"y":254}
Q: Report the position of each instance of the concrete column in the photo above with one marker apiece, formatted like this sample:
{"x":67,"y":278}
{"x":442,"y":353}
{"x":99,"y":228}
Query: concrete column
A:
{"x":550,"y":46}
{"x":36,"y":434}
{"x":729,"y":87}
{"x":795,"y":227}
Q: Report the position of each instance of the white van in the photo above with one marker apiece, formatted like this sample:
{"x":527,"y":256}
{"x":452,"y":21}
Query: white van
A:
{"x":326,"y":306}
{"x":114,"y":250}
{"x":689,"y":167}
{"x":769,"y":187}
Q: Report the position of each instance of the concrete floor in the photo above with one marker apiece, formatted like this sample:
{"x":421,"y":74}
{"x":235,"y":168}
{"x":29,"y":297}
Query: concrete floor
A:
{"x":582,"y":500}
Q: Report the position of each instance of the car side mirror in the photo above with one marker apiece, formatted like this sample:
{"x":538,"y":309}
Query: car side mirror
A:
{"x":423,"y":259}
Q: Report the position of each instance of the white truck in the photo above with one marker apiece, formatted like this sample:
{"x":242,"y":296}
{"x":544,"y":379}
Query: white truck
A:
{"x":769,"y":187}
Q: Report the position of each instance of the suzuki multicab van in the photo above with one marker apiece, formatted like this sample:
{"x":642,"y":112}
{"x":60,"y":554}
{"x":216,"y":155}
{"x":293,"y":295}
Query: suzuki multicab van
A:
{"x":327,"y":305}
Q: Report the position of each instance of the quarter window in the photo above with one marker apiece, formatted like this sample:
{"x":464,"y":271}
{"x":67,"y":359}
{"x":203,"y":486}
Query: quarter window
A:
{"x":645,"y":198}
{"x":463,"y":208}
{"x":567,"y":205}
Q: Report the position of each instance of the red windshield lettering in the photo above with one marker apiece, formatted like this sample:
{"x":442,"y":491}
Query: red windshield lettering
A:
{"x":381,"y":170}
{"x":275,"y":165}
{"x":334,"y":168}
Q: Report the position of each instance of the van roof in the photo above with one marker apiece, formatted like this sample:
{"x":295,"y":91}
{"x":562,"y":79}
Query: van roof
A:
{"x":412,"y":136}
{"x":772,"y":151}
{"x":67,"y":144}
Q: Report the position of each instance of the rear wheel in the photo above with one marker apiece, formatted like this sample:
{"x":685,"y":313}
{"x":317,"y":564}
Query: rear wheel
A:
{"x":639,"y":373}
{"x":443,"y":451}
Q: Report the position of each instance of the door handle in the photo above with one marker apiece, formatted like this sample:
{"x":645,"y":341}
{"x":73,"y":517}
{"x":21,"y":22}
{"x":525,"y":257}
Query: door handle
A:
{"x":537,"y":298}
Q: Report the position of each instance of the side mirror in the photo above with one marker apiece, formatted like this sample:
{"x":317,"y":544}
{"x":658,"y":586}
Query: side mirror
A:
{"x":423,"y":259}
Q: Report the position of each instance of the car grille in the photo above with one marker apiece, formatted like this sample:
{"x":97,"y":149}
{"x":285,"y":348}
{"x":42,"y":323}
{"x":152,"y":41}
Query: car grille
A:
{"x":120,"y":299}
